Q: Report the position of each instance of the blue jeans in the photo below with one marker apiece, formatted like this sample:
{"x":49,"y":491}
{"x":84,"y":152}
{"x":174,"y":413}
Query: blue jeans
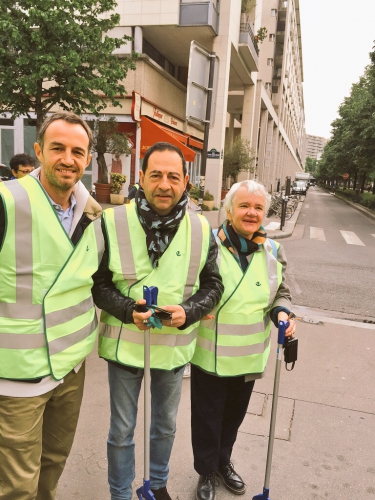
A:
{"x":124,"y":392}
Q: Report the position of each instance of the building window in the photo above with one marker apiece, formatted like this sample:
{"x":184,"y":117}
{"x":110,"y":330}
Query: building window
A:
{"x":270,"y":61}
{"x":268,"y":85}
{"x":273,"y":12}
{"x":272,"y":37}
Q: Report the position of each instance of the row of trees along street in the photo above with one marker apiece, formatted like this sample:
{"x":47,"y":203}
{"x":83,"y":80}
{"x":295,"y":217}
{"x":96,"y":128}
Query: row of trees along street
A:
{"x":351,"y":149}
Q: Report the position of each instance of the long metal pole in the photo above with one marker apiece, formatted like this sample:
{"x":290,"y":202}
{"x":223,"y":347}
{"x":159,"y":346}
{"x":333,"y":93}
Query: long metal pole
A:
{"x":147,"y":403}
{"x":207,"y":127}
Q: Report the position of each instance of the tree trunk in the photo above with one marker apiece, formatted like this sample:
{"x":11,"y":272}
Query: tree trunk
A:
{"x":39,"y":105}
{"x":102,"y":169}
{"x":373,"y":186}
{"x":363,"y":180}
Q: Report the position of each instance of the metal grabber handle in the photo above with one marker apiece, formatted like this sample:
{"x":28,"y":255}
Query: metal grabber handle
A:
{"x":150,"y":294}
{"x":283,"y":325}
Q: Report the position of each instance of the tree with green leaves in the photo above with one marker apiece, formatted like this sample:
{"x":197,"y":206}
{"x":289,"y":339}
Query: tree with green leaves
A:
{"x":352,"y":147}
{"x":239,"y":157}
{"x":59,"y":52}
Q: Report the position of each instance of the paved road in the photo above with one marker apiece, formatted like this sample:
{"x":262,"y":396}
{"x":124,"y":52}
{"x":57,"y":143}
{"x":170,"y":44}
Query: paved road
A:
{"x":331,"y":262}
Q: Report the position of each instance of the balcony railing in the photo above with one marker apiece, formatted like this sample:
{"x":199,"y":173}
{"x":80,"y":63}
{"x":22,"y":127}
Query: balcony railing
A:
{"x":245,"y":32}
{"x":194,"y":13}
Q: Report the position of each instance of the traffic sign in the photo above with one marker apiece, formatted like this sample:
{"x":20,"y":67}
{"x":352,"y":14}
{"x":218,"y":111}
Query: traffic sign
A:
{"x":345,"y":176}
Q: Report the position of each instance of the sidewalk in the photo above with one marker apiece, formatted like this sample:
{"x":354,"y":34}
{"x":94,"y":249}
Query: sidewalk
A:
{"x":324,"y":446}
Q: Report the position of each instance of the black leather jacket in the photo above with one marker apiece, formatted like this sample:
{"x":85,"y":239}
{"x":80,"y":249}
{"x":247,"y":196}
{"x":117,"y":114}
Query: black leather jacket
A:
{"x":107,"y":297}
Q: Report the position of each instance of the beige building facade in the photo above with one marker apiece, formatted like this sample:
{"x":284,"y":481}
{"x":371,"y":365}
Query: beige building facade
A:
{"x":314,"y":146}
{"x":258,"y":90}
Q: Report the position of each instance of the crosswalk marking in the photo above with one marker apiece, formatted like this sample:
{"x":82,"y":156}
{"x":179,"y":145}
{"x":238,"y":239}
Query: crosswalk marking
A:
{"x":317,"y":233}
{"x":351,"y":238}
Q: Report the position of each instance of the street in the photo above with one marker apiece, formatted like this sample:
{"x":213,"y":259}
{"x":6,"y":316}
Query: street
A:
{"x":331,"y":262}
{"x":325,"y":440}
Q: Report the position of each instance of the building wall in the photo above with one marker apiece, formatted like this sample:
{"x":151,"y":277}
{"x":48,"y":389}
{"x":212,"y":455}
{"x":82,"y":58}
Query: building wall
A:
{"x":315,"y":145}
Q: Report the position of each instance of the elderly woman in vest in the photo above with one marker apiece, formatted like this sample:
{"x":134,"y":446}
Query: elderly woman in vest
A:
{"x":233,"y":343}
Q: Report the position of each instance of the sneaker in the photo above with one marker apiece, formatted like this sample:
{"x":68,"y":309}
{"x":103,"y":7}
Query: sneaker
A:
{"x":187,"y":371}
{"x":206,"y":487}
{"x":161,"y":494}
{"x":231,"y":479}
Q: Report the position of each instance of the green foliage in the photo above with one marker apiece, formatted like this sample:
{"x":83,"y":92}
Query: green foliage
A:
{"x":117,"y":181}
{"x":247,"y":6}
{"x":310,"y":164}
{"x":194,"y":193}
{"x":208,"y":196}
{"x":57,"y":52}
{"x":261,"y":34}
{"x":352,"y":147}
{"x":366,"y":199}
{"x":107,"y":138}
{"x":238,"y":158}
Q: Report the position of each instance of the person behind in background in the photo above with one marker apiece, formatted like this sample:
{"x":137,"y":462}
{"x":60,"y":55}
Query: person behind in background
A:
{"x":154,"y":241}
{"x":133,"y":191}
{"x":49,"y":249}
{"x":21,"y":165}
{"x":233,"y":342}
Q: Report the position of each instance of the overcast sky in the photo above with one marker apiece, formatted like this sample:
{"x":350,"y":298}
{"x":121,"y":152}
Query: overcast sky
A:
{"x":337,"y":36}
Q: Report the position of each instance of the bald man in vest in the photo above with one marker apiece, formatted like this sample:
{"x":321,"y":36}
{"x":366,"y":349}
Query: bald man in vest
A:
{"x":155,"y":241}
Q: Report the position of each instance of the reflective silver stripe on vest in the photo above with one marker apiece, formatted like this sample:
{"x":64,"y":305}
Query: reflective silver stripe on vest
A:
{"x":22,"y":340}
{"x":169,"y":340}
{"x":68,"y":313}
{"x":24,"y":260}
{"x":196,"y":242}
{"x":63,"y":343}
{"x":124,"y":243}
{"x":271,"y":264}
{"x":233,"y":351}
{"x":243,"y":330}
{"x":100,"y":244}
{"x":248,"y":350}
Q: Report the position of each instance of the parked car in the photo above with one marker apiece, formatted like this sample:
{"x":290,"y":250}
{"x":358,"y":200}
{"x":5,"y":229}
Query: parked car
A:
{"x":299,"y":187}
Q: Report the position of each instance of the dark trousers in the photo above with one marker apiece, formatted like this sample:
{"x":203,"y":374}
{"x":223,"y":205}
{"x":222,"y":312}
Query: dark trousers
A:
{"x":218,"y":407}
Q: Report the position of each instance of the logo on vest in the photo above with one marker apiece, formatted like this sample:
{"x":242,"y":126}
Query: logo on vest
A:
{"x":257,"y":283}
{"x":178,"y":253}
{"x":87,"y":249}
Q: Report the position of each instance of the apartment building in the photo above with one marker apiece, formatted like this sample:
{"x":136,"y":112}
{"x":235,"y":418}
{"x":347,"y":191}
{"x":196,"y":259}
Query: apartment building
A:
{"x":258,"y":92}
{"x":315,"y":146}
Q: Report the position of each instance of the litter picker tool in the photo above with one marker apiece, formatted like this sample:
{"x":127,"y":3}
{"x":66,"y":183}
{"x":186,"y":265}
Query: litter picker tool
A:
{"x":290,"y":356}
{"x":150,"y":294}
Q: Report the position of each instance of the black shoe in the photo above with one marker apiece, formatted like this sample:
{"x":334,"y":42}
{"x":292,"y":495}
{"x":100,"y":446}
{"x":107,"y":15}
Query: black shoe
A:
{"x":206,"y":487}
{"x":161,"y":494}
{"x":231,"y":479}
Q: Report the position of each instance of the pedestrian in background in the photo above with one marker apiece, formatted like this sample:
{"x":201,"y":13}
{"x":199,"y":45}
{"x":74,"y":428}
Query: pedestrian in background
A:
{"x":21,"y":165}
{"x":48,"y":252}
{"x":233,"y":342}
{"x":154,"y":241}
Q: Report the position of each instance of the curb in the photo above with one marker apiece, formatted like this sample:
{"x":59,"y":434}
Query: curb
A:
{"x":360,"y":208}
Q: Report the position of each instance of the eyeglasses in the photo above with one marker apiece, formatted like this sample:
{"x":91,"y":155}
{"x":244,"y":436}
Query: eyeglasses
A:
{"x":28,"y":171}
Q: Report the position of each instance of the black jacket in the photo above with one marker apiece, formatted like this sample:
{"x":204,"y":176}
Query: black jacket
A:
{"x":107,"y":297}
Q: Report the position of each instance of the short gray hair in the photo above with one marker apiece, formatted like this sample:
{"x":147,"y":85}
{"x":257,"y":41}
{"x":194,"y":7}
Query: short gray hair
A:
{"x":253,"y":187}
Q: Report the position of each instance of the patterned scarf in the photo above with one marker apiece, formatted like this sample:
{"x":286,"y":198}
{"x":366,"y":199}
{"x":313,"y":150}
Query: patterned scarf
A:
{"x":239,"y":246}
{"x":159,"y":229}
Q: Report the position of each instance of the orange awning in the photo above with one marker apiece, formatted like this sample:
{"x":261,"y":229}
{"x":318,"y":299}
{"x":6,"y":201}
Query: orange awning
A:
{"x":195,"y":143}
{"x":151,"y":132}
